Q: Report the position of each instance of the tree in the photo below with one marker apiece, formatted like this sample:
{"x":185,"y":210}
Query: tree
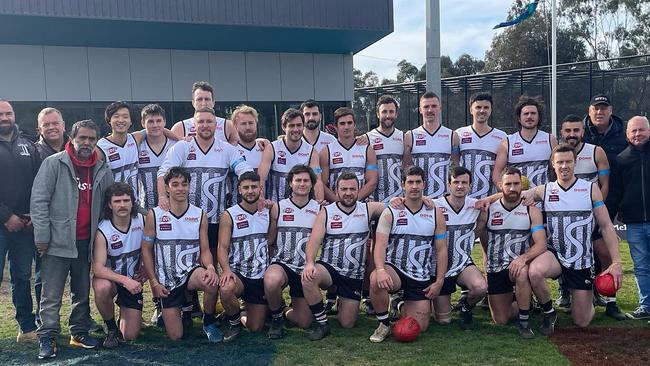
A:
{"x":527,"y":44}
{"x":468,"y":65}
{"x":362,"y":80}
{"x":406,"y":72}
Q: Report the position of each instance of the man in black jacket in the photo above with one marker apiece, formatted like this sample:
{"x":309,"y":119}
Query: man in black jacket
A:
{"x":629,"y":197}
{"x":19,"y":163}
{"x":603,"y":128}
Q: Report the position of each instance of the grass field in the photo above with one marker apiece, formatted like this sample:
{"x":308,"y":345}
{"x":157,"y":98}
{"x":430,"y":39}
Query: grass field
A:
{"x":487,"y":344}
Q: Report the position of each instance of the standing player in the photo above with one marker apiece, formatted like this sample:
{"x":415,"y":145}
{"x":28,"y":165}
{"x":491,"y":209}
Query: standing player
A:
{"x":570,"y":206}
{"x":176,"y":256}
{"x":432,"y":146}
{"x":515,"y":237}
{"x":244,"y":236}
{"x":116,"y":264}
{"x":529,"y":148}
{"x":345,"y":155}
{"x":152,"y":154}
{"x":479,"y":144}
{"x":245,"y":120}
{"x":120,"y":148}
{"x":208,"y":161}
{"x":591,"y":165}
{"x":408,"y":243}
{"x":343,"y":228}
{"x":284,"y":154}
{"x":460,"y":217}
{"x":296,"y":216}
{"x":388,"y":144}
{"x":203,"y":97}
{"x":312,"y":134}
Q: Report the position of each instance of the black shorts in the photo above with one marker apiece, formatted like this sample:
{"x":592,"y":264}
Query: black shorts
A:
{"x":178,"y":296}
{"x":577,"y":279}
{"x":349,"y":288}
{"x":413,"y":289}
{"x":293,"y":279}
{"x":213,"y":235}
{"x":253,"y":290}
{"x":449,"y":286}
{"x":500,"y":283}
{"x":127,"y":299}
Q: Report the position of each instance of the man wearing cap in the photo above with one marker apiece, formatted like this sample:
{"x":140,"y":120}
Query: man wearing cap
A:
{"x":603,"y":128}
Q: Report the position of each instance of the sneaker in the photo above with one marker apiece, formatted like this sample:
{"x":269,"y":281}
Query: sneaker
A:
{"x":27,"y":337}
{"x":83,"y":340}
{"x":380,"y":333}
{"x":466,"y":320}
{"x":46,"y":348}
{"x":564,"y":301}
{"x":276,"y":330}
{"x":213,"y":333}
{"x":638,"y":314}
{"x":548,"y":324}
{"x":319,"y":331}
{"x":525,"y":332}
{"x":461,"y":300}
{"x":232,"y":333}
{"x":367,"y":304}
{"x":612,"y":310}
{"x":112,"y":339}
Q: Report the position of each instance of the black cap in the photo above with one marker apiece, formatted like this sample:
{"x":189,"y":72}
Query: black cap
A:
{"x":600,"y":99}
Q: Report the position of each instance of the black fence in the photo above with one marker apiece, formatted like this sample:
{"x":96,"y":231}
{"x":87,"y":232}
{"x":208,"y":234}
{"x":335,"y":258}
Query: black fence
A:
{"x":626,"y":80}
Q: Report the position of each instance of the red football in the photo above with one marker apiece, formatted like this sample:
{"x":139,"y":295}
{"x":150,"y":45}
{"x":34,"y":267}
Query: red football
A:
{"x":605,"y":284}
{"x":406,"y":329}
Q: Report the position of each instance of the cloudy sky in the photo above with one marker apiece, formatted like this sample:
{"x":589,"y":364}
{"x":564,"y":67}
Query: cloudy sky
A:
{"x":466,"y":27}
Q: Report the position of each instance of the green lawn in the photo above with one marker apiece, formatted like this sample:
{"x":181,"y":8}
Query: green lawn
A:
{"x":487,"y":344}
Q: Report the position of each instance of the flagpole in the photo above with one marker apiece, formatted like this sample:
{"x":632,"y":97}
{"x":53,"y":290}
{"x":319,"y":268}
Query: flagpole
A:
{"x":554,"y":69}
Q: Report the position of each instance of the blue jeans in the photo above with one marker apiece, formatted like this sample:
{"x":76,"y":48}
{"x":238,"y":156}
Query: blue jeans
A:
{"x":638,"y":235}
{"x":19,"y":249}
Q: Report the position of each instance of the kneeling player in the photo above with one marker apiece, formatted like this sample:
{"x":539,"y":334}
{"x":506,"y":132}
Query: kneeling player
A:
{"x":404,"y":255}
{"x":460,"y":217}
{"x":510,"y":225}
{"x":177,"y":258}
{"x":296,"y":216}
{"x":343,"y":228}
{"x":244,"y":234}
{"x":116,"y":262}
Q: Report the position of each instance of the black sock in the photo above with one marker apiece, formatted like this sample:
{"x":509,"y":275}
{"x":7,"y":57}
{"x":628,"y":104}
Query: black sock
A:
{"x":235,"y":319}
{"x":524,"y":314}
{"x":318,"y":310}
{"x":110,"y":324}
{"x":277,"y":314}
{"x":383,"y":318}
{"x":464,"y":305}
{"x":547,"y":307}
{"x":365,"y":294}
{"x":208,"y":319}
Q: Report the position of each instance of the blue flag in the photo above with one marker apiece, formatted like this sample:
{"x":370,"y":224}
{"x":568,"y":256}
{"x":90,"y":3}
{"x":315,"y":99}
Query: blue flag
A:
{"x":528,"y":12}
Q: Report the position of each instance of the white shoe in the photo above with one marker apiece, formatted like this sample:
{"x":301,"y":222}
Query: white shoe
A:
{"x":380,"y":333}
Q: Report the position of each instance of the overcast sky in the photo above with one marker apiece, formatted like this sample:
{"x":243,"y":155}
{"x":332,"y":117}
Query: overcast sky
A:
{"x":466,"y":27}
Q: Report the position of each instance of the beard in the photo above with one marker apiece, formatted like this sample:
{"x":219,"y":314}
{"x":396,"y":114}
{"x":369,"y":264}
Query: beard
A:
{"x":6,"y":129}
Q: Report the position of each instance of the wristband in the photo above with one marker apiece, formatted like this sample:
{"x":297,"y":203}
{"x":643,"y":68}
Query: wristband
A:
{"x":603,"y":172}
{"x":455,"y":149}
{"x":440,"y":236}
{"x":372,"y":167}
{"x":317,"y":170}
{"x":536,"y":228}
{"x":598,"y":204}
{"x":148,"y":239}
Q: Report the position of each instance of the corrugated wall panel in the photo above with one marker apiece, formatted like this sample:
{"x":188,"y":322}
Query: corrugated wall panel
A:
{"x":330,"y":14}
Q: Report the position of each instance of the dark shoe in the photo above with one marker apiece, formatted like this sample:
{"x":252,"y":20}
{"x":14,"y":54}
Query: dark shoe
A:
{"x":525,"y":332}
{"x":276,"y":331}
{"x":613,"y":311}
{"x":213,"y":333}
{"x":46,"y":348}
{"x":232,"y":333}
{"x":83,"y":340}
{"x":548,"y":323}
{"x":319,"y":331}
{"x":639,"y":314}
{"x":462,"y":299}
{"x":466,"y":319}
{"x":112,"y":339}
{"x":564,"y":301}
